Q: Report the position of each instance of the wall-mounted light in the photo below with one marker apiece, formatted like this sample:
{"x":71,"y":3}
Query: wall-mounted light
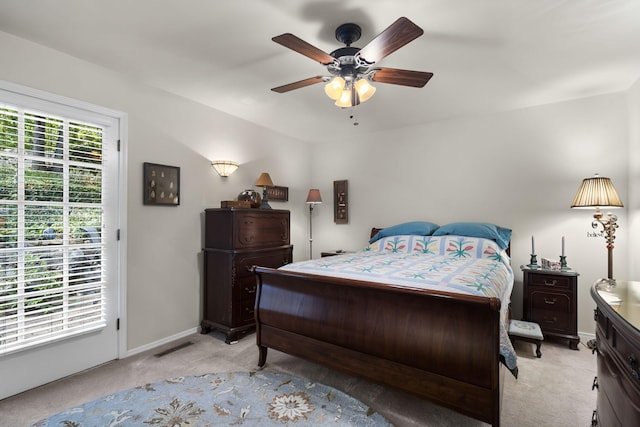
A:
{"x":224,"y":167}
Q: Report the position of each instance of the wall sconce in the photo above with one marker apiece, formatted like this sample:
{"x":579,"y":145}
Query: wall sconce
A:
{"x":224,"y":167}
{"x":264,"y":181}
{"x":313,"y":198}
{"x":598,"y":192}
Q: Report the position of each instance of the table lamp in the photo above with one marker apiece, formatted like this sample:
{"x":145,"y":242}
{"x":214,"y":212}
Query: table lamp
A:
{"x":264,"y":181}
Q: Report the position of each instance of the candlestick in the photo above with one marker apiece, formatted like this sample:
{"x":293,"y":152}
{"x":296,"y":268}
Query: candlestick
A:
{"x":533,"y":246}
{"x":533,"y":263}
{"x":563,"y":263}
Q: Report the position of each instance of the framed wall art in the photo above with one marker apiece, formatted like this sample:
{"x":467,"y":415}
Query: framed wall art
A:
{"x":340,"y":202}
{"x":161,"y":184}
{"x":278,"y":194}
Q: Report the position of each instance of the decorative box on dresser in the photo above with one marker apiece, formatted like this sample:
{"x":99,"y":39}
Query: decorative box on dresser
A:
{"x":235,"y":240}
{"x":550,"y":299}
{"x":617,"y":316}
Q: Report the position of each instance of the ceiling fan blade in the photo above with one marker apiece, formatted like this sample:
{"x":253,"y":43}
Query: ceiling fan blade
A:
{"x":297,"y":85}
{"x":402,"y":77}
{"x":301,"y":46}
{"x":393,"y":38}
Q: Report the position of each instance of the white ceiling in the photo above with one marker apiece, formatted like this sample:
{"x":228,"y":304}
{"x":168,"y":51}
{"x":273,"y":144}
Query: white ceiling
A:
{"x":486,"y":55}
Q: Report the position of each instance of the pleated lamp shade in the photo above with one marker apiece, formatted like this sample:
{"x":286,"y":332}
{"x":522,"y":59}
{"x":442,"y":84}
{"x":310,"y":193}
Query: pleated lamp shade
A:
{"x":596,"y":192}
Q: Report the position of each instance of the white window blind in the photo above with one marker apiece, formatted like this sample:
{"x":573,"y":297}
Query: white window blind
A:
{"x":51,"y":215}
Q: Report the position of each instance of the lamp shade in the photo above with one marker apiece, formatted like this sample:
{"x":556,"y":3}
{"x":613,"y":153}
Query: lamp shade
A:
{"x":344,"y":100}
{"x":224,"y":167}
{"x":365,"y":90}
{"x":596,"y":192}
{"x":264,"y":180}
{"x":314,"y":196}
{"x":333,"y":89}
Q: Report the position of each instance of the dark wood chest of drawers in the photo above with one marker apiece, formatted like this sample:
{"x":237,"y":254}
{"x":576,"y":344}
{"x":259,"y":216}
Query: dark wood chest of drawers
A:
{"x":235,"y":240}
{"x":550,"y":300}
{"x":617,"y":318}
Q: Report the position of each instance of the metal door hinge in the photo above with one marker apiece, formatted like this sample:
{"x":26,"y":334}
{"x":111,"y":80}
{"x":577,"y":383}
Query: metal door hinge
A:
{"x":118,"y":324}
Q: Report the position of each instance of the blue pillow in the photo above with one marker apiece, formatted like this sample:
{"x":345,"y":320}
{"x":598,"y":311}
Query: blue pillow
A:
{"x":416,"y":228}
{"x":500,"y":235}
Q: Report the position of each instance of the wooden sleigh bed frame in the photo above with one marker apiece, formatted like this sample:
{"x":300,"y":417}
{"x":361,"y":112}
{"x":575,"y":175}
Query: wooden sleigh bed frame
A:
{"x":440,"y":346}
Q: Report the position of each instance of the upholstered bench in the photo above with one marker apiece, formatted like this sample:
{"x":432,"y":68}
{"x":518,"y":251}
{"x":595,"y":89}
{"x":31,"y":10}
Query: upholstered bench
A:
{"x":526,"y":331}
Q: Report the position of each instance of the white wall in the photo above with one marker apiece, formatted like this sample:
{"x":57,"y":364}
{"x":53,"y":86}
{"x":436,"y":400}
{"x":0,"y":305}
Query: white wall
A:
{"x":633,"y":201}
{"x":164,"y":243}
{"x":519,"y":169}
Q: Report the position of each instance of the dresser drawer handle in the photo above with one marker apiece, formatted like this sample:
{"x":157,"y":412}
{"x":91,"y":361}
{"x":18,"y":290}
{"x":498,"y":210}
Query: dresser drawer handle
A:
{"x":633,"y":362}
{"x":555,"y":282}
{"x":550,"y":301}
{"x":250,"y":290}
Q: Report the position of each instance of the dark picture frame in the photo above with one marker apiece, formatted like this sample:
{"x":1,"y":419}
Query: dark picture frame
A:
{"x":340,"y":202}
{"x":161,"y":185}
{"x":278,"y":194}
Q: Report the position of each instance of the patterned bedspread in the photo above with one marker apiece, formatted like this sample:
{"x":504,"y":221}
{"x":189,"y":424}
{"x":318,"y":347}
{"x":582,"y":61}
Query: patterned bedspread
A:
{"x":459,"y":264}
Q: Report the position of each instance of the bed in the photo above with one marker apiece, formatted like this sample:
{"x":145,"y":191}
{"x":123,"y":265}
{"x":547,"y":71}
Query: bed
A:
{"x":422,"y":308}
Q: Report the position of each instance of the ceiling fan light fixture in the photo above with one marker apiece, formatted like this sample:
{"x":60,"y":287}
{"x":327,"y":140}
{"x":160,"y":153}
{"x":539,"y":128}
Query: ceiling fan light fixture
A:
{"x":345,"y":99}
{"x":334,"y":88}
{"x":365,"y":89}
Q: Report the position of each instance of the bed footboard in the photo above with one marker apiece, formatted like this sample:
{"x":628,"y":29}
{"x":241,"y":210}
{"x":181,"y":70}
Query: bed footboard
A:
{"x":440,"y":346}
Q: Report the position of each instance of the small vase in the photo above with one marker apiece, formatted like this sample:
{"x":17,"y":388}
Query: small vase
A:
{"x":251,"y":196}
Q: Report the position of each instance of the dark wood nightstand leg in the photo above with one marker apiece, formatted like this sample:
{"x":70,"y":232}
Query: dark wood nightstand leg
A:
{"x":573,"y":343}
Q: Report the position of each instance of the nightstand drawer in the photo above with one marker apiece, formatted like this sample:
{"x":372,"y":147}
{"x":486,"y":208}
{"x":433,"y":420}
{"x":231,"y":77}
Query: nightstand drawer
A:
{"x":552,"y":311}
{"x":550,"y":281}
{"x":550,"y":301}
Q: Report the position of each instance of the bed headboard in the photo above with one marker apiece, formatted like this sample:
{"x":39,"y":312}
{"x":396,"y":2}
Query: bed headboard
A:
{"x":375,"y":230}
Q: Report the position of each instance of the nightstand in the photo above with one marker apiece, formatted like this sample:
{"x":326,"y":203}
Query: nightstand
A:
{"x":550,"y":299}
{"x":332,"y":253}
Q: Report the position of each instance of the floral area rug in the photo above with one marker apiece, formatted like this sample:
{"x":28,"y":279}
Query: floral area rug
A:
{"x":226,"y":399}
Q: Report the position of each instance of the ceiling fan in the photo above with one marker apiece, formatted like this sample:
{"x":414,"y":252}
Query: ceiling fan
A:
{"x":351,"y":68}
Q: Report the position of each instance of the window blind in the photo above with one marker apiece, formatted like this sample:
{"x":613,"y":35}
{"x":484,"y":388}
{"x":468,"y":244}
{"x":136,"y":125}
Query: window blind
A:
{"x":51,"y":215}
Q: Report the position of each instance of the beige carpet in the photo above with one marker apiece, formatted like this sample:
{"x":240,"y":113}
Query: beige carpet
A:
{"x":552,"y":391}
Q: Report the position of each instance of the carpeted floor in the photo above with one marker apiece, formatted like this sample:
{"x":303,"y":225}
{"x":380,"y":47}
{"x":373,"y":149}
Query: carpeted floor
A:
{"x":552,"y":391}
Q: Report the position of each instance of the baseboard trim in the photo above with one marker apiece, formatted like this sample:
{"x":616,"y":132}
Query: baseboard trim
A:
{"x":160,"y":342}
{"x":584,"y":337}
